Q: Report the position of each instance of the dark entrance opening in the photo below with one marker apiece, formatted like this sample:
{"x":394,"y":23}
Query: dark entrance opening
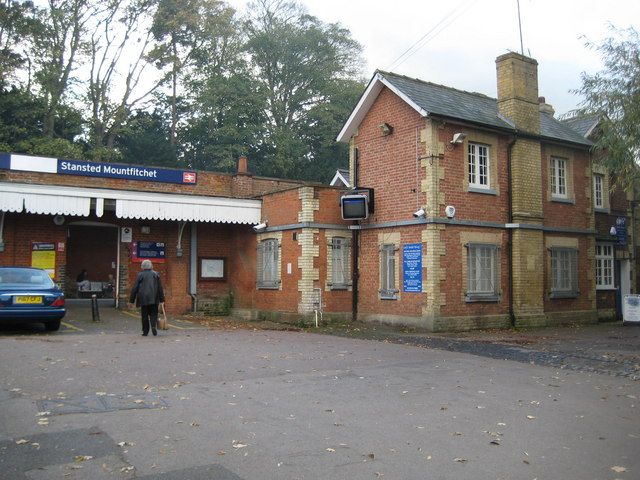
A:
{"x":93,"y":248}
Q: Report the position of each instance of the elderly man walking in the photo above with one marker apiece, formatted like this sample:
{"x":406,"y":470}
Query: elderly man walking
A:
{"x":147,"y":293}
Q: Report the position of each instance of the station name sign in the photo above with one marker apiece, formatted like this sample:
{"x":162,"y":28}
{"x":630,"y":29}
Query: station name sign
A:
{"x":83,"y":168}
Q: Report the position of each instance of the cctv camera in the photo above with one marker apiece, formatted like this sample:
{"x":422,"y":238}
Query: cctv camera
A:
{"x":260,"y":227}
{"x":458,"y":138}
{"x":419,"y":213}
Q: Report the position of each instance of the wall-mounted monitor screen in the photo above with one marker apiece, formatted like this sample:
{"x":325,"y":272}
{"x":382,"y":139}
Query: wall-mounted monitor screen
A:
{"x":354,"y":207}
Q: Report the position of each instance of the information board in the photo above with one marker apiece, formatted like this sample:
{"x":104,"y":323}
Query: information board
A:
{"x":631,"y":309}
{"x":43,"y":255}
{"x":154,"y":251}
{"x":412,"y":267}
{"x":621,"y":230}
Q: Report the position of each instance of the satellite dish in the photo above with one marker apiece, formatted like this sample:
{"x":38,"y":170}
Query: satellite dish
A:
{"x":58,"y":220}
{"x":450,"y":211}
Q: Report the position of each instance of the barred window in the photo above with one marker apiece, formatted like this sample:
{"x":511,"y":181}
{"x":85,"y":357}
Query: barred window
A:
{"x":339,"y":263}
{"x":564,"y":272}
{"x":478,"y":156}
{"x":483,"y":278}
{"x":267,"y":268}
{"x":388,"y":288}
{"x":604,"y":266}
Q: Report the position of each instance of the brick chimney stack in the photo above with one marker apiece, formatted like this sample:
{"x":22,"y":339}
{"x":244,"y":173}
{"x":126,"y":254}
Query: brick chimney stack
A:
{"x":242,"y":165}
{"x":518,"y":91}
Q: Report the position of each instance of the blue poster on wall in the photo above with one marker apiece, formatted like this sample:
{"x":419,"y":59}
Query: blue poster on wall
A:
{"x":412,"y":267}
{"x":621,"y":230}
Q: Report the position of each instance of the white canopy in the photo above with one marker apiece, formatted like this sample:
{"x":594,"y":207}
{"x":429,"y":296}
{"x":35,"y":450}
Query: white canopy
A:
{"x":56,"y":200}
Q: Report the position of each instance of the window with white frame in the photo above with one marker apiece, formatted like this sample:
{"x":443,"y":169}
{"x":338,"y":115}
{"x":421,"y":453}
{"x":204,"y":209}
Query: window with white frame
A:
{"x":564,"y":272}
{"x":478,"y":156}
{"x":558,"y":176}
{"x":267,"y":268}
{"x":339,"y":263}
{"x":598,"y":191}
{"x":388,"y":288}
{"x":483,"y":277}
{"x":604,"y":266}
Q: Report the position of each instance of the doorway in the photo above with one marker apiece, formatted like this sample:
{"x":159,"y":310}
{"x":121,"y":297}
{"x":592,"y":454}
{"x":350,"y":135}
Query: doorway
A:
{"x":93,"y":247}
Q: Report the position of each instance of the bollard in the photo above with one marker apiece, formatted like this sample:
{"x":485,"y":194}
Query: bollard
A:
{"x":95,"y":313}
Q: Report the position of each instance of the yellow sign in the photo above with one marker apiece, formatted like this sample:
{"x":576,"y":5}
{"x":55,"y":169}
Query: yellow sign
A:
{"x":43,"y":255}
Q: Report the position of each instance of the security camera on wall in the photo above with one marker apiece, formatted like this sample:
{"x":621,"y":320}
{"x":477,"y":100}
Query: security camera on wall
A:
{"x":260,"y":227}
{"x":419,"y":213}
{"x":450,"y":211}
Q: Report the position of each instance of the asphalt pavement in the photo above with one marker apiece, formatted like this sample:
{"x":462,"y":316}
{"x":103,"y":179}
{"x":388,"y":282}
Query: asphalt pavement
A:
{"x":96,"y":400}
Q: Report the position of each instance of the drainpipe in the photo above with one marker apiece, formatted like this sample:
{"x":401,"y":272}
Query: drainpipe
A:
{"x":355,"y":250}
{"x":193,"y":267}
{"x":512,"y":316}
{"x":1,"y":231}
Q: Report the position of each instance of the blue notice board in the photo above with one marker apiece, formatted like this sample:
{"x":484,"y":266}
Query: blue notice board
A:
{"x":412,"y":267}
{"x":621,"y":230}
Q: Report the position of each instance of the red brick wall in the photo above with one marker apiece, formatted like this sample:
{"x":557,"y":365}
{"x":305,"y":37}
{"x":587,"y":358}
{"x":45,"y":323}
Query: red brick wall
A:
{"x":388,"y":163}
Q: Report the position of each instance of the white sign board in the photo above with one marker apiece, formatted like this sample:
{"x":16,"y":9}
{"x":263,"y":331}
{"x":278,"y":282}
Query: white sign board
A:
{"x":631,"y":309}
{"x":126,"y":235}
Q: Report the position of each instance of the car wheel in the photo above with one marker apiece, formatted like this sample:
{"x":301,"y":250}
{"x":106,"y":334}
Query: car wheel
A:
{"x":52,"y":326}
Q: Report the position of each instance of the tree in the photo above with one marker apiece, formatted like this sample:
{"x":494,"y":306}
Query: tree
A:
{"x":183,"y":29}
{"x":144,"y":139}
{"x":16,"y":25}
{"x":614,"y":95}
{"x":56,"y":48}
{"x":299,"y":62}
{"x":115,"y":34}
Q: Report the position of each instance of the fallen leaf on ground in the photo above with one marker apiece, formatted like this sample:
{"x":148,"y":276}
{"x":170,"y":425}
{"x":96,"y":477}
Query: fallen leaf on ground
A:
{"x":531,"y":417}
{"x":22,"y":441}
{"x":330,"y":449}
{"x":618,"y":469}
{"x":460,"y":460}
{"x":82,"y":458}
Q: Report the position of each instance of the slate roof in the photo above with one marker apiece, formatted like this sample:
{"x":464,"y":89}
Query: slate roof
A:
{"x":477,"y":108}
{"x":584,"y":124}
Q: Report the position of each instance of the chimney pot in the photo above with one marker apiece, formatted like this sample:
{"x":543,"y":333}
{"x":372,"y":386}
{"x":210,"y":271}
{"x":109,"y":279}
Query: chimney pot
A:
{"x":242,"y":164}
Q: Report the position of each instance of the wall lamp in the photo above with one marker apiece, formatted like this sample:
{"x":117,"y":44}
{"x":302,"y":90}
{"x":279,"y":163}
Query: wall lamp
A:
{"x":613,"y":231}
{"x":420,"y":213}
{"x":386,"y":129}
{"x":458,"y":138}
{"x":260,"y":227}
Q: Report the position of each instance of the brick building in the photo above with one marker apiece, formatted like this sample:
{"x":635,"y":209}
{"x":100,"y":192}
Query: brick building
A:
{"x":615,"y":221}
{"x":195,"y":226}
{"x":495,"y":194}
{"x":485,"y":213}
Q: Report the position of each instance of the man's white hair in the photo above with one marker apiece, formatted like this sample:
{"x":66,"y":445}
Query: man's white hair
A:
{"x":146,"y":265}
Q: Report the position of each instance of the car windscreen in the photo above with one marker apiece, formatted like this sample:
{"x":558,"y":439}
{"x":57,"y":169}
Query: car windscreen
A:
{"x":16,"y":278}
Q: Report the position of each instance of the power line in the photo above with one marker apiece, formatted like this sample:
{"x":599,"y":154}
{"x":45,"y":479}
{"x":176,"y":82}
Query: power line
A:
{"x":457,"y":11}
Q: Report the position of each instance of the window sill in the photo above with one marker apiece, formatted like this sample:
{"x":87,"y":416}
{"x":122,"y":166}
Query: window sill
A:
{"x":268,"y":287}
{"x":601,"y":210}
{"x":338,"y":287}
{"x":485,"y":191}
{"x":479,"y":297}
{"x":555,"y":295}
{"x":606,"y":288}
{"x":570,"y":201}
{"x":389,"y":295}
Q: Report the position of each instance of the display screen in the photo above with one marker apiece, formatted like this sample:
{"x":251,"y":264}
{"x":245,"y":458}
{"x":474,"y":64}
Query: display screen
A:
{"x":354,"y":207}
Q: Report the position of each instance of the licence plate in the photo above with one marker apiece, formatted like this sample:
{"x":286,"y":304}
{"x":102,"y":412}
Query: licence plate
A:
{"x":27,"y":300}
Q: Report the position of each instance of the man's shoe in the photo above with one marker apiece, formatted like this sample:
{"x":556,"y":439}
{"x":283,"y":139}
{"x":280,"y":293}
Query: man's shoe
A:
{"x":155,"y":332}
{"x":145,"y":334}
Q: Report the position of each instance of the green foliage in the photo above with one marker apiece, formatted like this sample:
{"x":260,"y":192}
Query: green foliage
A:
{"x":614,"y":95}
{"x":50,"y":147}
{"x":275,"y":86}
{"x":145,"y":141}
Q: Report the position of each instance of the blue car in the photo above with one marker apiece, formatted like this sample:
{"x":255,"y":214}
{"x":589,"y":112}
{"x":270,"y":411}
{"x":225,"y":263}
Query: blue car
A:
{"x":29,"y":295}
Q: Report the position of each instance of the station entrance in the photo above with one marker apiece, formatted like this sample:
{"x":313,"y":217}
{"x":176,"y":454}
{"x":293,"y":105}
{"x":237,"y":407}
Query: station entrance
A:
{"x":92,"y":247}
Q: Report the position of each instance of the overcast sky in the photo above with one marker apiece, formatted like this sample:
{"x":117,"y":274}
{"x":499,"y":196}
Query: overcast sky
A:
{"x":464,"y":37}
